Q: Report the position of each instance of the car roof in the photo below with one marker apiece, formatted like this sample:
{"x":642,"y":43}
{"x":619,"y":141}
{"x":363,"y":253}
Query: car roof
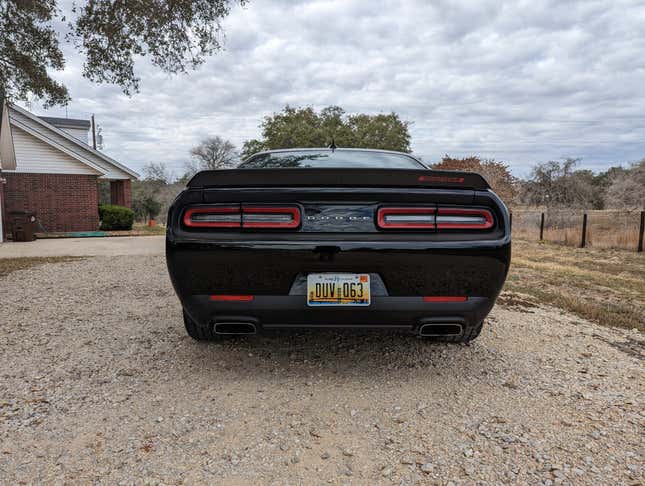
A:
{"x":327,"y":149}
{"x":339,"y":149}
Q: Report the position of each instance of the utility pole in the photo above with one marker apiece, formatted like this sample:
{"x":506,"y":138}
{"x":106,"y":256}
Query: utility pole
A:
{"x":93,"y":132}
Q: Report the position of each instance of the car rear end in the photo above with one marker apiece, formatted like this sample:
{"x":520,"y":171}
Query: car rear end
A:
{"x":423,"y":251}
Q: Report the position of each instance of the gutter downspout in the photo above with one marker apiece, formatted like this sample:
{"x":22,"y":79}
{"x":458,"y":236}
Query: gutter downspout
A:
{"x":2,"y":205}
{"x":2,"y":181}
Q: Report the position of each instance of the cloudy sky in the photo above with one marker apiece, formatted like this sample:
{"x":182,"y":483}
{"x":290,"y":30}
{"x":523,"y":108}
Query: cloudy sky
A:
{"x":521,"y":82}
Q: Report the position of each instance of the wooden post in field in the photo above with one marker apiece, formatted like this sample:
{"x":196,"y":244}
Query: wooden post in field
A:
{"x":583,"y":242}
{"x":640,"y":232}
{"x":541,"y":226}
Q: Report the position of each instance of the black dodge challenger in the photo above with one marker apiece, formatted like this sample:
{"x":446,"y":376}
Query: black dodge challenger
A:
{"x":340,"y":238}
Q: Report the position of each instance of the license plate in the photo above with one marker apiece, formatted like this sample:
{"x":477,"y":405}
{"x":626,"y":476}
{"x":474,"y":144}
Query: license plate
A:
{"x":325,"y":289}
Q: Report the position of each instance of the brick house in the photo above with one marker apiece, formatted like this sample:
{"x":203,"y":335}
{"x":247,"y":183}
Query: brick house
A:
{"x":48,"y":167}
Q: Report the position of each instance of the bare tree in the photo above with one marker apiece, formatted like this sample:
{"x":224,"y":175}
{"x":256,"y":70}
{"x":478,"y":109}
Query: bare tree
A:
{"x":627,"y":189}
{"x":211,"y":154}
{"x":557,"y":184}
{"x":157,"y":172}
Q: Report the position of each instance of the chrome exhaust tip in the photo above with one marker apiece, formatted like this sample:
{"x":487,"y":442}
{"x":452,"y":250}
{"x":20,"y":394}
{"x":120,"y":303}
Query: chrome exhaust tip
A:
{"x":236,"y":328}
{"x":441,"y":329}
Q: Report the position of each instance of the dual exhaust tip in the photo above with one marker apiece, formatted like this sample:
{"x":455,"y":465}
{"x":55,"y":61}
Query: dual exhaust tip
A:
{"x":425,"y":330}
{"x":235,"y":328}
{"x":443,"y":329}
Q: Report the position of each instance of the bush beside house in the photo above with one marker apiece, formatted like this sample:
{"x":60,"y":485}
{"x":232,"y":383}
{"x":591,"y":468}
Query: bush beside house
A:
{"x":115,"y":217}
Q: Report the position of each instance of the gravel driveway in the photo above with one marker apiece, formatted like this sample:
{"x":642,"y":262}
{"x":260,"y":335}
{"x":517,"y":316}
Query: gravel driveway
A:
{"x":99,"y":383}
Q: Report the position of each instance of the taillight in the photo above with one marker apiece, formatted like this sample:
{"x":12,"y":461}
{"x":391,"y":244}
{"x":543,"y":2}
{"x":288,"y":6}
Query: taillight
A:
{"x":406,"y":218}
{"x":284,"y":217}
{"x":213,"y":217}
{"x":464,"y":218}
{"x":243,"y":216}
{"x":430,"y":218}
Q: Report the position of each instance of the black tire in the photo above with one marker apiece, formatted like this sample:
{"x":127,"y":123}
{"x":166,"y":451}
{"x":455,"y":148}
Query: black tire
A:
{"x":465,"y":338}
{"x":199,"y":333}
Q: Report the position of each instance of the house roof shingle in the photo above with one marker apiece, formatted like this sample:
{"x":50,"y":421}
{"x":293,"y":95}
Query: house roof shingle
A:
{"x":66,"y":122}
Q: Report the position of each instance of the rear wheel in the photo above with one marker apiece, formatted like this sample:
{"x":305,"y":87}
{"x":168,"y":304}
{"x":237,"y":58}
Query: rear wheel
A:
{"x":466,"y":337}
{"x":197,"y":332}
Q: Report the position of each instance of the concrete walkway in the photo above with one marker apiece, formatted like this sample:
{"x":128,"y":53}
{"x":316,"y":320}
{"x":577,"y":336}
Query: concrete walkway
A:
{"x":122,"y":245}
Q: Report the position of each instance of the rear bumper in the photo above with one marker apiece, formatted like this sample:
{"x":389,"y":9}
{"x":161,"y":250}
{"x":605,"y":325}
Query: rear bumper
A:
{"x":268,"y":312}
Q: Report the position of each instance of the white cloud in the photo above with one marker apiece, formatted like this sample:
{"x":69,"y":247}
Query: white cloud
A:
{"x":518,"y":81}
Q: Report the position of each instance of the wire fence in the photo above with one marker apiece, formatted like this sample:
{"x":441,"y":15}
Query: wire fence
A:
{"x":594,"y":228}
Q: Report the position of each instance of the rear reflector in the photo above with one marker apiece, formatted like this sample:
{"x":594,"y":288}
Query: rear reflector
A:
{"x":445,"y":298}
{"x":231,"y":298}
{"x":406,"y":218}
{"x":284,"y":217}
{"x":213,"y":217}
{"x":464,"y":218}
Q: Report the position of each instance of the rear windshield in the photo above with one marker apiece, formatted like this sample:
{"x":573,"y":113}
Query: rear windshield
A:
{"x":320,"y":159}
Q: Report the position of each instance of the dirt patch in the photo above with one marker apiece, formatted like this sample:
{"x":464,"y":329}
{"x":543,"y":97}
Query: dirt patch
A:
{"x":518,"y":302}
{"x":9,"y":265}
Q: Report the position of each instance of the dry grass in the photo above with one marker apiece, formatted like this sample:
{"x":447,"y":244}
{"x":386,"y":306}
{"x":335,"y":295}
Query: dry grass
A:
{"x":605,"y":228}
{"x":605,"y":286}
{"x":10,"y":265}
{"x":144,"y":229}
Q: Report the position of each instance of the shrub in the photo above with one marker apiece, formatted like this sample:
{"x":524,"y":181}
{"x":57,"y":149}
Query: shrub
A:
{"x":115,"y":217}
{"x":152,"y":207}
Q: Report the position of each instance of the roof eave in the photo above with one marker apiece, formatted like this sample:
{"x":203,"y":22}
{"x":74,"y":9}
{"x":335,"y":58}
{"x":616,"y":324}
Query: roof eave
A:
{"x":70,"y":138}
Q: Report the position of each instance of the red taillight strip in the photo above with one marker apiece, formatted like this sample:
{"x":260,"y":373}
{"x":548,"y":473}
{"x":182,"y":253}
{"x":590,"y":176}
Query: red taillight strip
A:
{"x":215,"y":210}
{"x":445,"y":298}
{"x":484,"y":213}
{"x":231,"y":298}
{"x":383,"y":223}
{"x":248,"y":211}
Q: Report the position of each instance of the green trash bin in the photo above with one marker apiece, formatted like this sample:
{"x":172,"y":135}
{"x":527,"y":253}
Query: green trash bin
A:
{"x":23,"y":225}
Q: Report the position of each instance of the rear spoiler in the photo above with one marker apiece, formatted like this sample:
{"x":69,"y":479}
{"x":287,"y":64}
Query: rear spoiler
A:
{"x":303,"y":177}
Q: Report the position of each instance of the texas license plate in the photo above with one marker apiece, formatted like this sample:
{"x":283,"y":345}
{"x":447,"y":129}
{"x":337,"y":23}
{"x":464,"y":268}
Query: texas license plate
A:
{"x":338,"y":289}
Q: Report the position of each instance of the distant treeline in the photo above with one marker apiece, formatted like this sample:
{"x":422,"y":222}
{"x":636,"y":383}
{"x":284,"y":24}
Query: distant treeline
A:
{"x":553,"y":184}
{"x":558,"y":184}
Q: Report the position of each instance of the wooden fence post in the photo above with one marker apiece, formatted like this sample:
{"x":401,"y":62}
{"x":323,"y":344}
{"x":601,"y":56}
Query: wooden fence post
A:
{"x":541,"y":226}
{"x":640,"y":233}
{"x":583,"y":242}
